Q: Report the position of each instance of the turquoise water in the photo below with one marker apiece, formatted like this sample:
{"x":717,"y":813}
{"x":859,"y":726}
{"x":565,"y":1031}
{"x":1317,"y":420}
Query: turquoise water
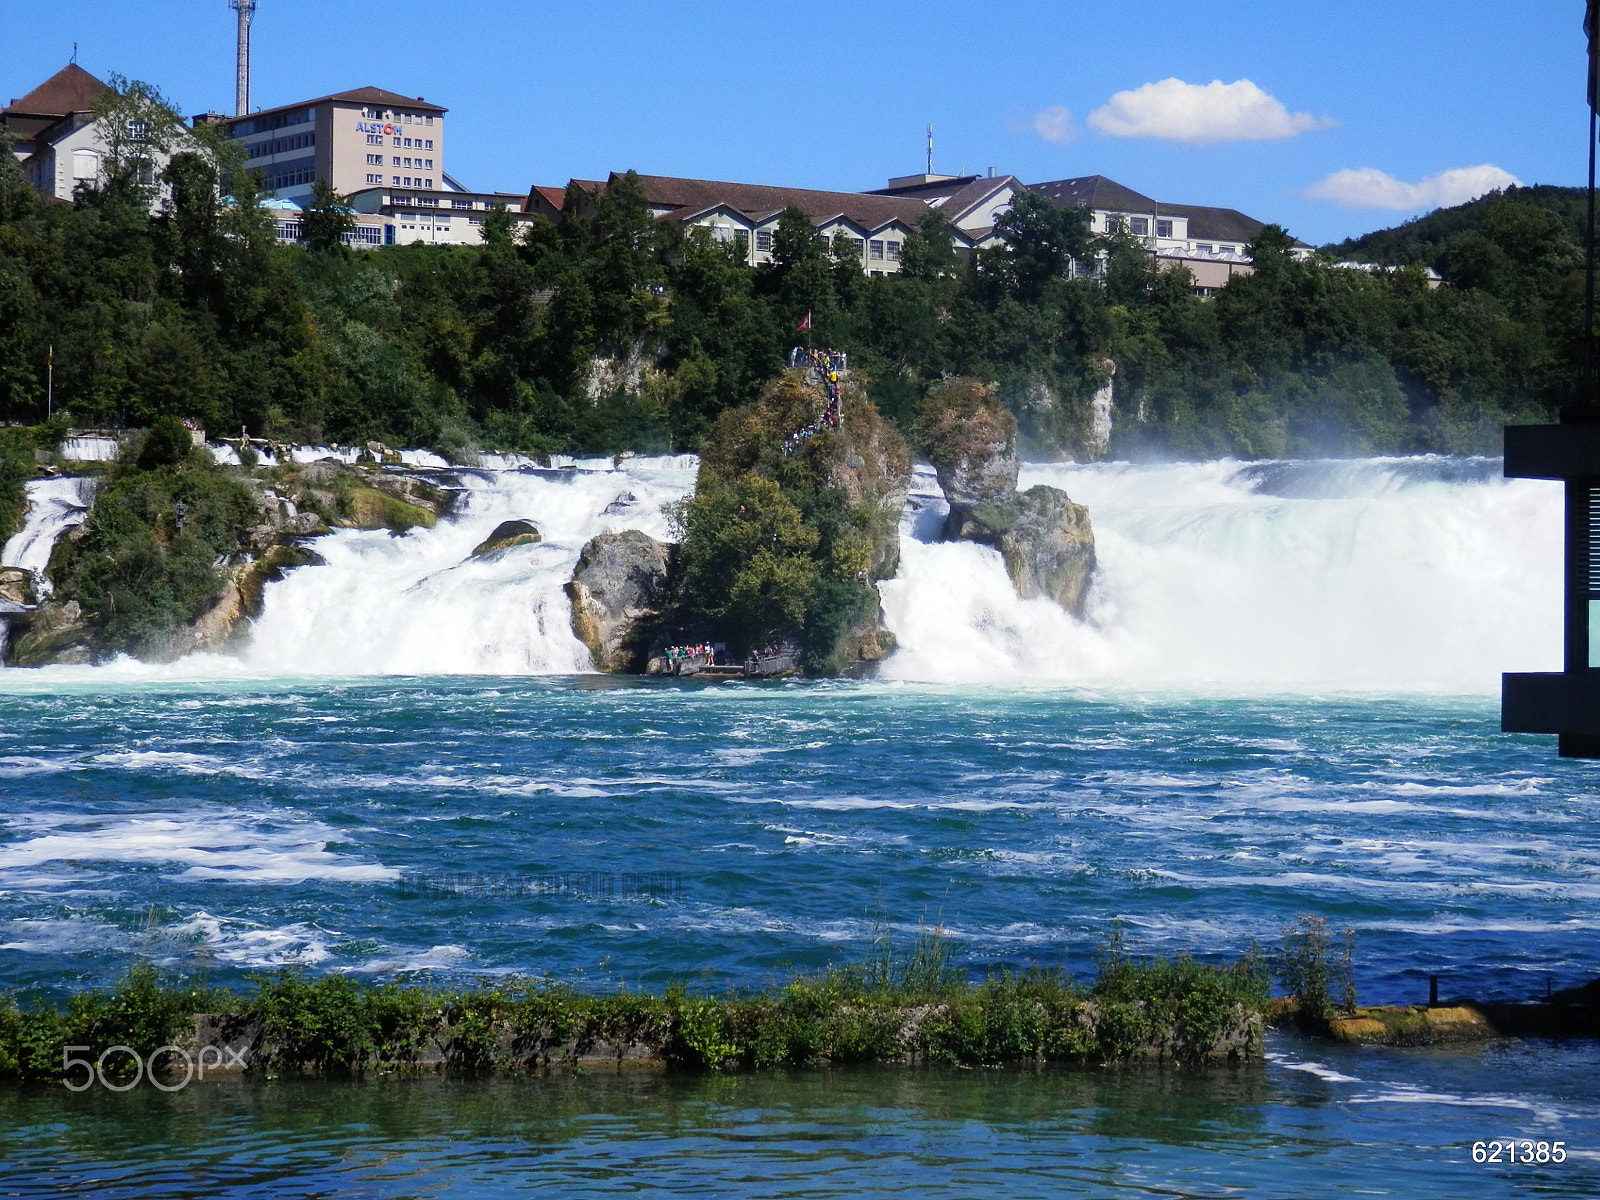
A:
{"x":1312,"y":1122}
{"x":225,"y":828}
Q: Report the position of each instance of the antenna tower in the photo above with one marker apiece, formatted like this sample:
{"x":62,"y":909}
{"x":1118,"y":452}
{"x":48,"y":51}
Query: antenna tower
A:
{"x":246,"y":10}
{"x":930,"y":149}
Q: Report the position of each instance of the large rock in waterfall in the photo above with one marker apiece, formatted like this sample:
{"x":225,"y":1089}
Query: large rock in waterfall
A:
{"x":508,"y":535}
{"x":795,"y":519}
{"x":16,"y":586}
{"x":1045,"y":539}
{"x":58,"y":633}
{"x":620,"y":589}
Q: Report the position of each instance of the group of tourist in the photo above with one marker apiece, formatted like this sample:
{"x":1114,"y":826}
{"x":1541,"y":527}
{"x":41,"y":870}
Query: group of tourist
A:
{"x":705,"y":650}
{"x":827,"y":365}
{"x":821,"y":361}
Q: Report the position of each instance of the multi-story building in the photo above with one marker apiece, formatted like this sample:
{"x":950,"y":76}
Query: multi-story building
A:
{"x":62,"y":144}
{"x":383,"y":150}
{"x":971,"y":204}
{"x":1212,"y":243}
{"x":349,"y":140}
{"x":747,"y":213}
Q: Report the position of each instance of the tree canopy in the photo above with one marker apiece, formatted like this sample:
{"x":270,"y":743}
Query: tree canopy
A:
{"x":614,"y":331}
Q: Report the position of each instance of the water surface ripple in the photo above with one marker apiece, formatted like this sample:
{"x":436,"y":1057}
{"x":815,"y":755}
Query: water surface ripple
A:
{"x":233,"y":827}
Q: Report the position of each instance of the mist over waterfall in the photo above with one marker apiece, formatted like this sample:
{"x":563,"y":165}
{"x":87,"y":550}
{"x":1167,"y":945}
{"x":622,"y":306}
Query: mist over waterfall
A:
{"x":1388,"y":574}
{"x":1429,"y":574}
{"x":419,"y":604}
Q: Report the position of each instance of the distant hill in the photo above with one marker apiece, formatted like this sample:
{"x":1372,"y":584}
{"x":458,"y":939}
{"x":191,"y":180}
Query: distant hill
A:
{"x":1428,"y":239}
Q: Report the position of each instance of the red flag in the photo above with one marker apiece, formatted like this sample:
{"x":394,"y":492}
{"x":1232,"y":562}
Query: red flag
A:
{"x":805,"y":323}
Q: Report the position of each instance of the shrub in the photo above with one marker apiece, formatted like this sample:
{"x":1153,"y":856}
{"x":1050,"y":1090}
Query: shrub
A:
{"x":1314,"y":969}
{"x":16,"y":467}
{"x":166,"y":444}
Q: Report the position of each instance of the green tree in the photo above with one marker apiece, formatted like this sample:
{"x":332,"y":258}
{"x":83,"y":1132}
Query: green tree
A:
{"x":325,"y":221}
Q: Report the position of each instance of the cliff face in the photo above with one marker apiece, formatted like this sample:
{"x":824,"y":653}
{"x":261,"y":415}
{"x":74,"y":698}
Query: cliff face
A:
{"x":1046,"y":540}
{"x":795,"y":517}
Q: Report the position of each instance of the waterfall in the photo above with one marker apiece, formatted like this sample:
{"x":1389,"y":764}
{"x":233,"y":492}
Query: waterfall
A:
{"x":420,"y":604}
{"x":1374,"y":574}
{"x":1382,"y":574}
{"x":54,"y":506}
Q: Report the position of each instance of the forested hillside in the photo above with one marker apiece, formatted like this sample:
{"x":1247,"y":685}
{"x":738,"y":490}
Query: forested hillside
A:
{"x":614,"y":331}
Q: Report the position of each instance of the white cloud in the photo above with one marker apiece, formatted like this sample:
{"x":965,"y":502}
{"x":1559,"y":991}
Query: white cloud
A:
{"x":1054,"y":124}
{"x":1197,"y":114}
{"x":1369,"y":187}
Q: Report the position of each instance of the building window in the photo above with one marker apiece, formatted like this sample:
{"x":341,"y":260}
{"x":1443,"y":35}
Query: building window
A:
{"x":374,"y":139}
{"x":137,"y":131}
{"x":1163,"y":228}
{"x":461,"y":204}
{"x":397,"y":143}
{"x":859,"y":243}
{"x":876,"y":248}
{"x":374,"y":178}
{"x":1205,"y":249}
{"x":408,"y":141}
{"x":894,"y":251}
{"x":429,"y":164}
{"x":764,"y":241}
{"x":396,"y":181}
{"x":85,"y":164}
{"x":428,"y":145}
{"x":430,"y":122}
{"x":427,"y":183}
{"x":1139,"y":226}
{"x":374,"y":160}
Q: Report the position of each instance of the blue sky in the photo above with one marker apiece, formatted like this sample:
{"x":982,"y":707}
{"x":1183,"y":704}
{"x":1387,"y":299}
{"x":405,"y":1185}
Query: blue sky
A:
{"x":837,"y":95}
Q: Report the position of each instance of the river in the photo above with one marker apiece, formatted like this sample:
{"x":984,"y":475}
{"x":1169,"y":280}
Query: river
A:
{"x":1282,"y":702}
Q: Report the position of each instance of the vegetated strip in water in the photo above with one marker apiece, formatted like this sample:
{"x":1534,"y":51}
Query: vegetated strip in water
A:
{"x":913,"y":1008}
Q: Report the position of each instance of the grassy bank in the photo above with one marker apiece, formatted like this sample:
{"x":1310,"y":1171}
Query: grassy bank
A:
{"x":914,"y":1010}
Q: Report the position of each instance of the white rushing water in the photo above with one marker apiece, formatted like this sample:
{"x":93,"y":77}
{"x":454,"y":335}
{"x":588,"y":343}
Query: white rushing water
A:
{"x":54,"y":506}
{"x":1385,"y":574}
{"x":420,"y":604}
{"x":1378,"y":574}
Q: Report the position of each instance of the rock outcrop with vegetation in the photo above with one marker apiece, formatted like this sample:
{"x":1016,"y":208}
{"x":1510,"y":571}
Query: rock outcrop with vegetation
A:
{"x":787,"y":535}
{"x":171,"y":559}
{"x":619,"y":592}
{"x":1045,"y":539}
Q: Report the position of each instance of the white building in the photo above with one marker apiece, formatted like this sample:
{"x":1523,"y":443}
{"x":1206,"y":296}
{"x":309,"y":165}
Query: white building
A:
{"x":63,"y":145}
{"x":1212,"y":243}
{"x":747,"y":213}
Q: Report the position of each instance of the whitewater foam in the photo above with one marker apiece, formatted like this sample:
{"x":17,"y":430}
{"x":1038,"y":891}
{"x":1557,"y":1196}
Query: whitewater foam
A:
{"x":1373,"y":575}
{"x":1369,"y":576}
